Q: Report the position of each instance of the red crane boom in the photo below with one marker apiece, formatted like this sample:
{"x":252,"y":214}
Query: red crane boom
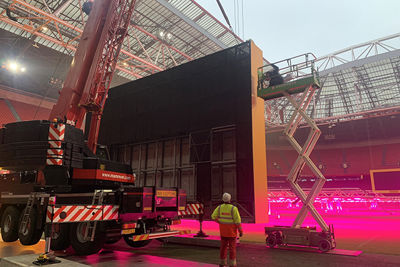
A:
{"x":89,"y":78}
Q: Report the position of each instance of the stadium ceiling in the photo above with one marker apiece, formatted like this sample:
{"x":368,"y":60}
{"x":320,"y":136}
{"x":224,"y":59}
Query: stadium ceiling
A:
{"x":357,"y":82}
{"x":163,"y":33}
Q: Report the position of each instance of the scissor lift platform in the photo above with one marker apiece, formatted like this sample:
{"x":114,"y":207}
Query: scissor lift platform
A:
{"x":301,"y":78}
{"x":293,"y":87}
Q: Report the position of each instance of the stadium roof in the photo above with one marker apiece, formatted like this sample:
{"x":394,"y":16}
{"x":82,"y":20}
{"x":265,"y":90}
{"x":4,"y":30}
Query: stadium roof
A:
{"x":355,"y":81}
{"x":166,"y":33}
{"x":163,"y":33}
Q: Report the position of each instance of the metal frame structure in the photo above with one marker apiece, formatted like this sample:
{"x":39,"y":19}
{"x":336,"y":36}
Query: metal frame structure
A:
{"x":162,"y":33}
{"x":360,"y":79}
{"x":304,"y":158}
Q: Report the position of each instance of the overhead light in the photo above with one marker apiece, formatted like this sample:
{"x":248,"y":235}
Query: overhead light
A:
{"x":13,"y":66}
{"x":44,"y":29}
{"x":125,"y":64}
{"x":164,"y":35}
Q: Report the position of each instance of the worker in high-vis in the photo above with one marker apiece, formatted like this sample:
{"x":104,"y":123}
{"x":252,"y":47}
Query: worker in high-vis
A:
{"x":228,"y":218}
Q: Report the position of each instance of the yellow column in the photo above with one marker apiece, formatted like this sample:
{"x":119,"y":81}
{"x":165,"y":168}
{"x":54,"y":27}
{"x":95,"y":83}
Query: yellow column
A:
{"x":258,"y":138}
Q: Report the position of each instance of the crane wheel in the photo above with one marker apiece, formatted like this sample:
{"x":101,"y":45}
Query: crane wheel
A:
{"x":271,"y":240}
{"x":279,"y":238}
{"x":60,"y":238}
{"x":10,"y":223}
{"x":86,"y":247}
{"x":136,"y":244}
{"x":31,"y":235}
{"x":324,"y":245}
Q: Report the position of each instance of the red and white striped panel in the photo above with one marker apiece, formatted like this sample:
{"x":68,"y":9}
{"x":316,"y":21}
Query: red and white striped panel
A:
{"x":192,"y":209}
{"x":82,"y":213}
{"x":56,"y":136}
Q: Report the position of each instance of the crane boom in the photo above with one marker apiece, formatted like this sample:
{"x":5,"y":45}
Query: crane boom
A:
{"x":89,"y":78}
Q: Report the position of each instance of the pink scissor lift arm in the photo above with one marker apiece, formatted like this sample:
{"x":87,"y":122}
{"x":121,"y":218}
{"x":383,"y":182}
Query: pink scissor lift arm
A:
{"x":301,"y":77}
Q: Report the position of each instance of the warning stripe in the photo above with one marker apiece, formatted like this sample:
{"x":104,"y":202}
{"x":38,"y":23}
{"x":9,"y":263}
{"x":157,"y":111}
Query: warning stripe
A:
{"x":54,"y":161}
{"x":55,"y":144}
{"x":49,"y":213}
{"x":55,"y":152}
{"x":192,"y":209}
{"x":57,"y":131}
{"x":56,"y":135}
{"x":77,"y":213}
{"x":141,"y":237}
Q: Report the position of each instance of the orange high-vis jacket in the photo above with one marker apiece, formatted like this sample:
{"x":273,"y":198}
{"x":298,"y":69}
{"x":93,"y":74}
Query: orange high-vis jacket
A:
{"x":228,"y":218}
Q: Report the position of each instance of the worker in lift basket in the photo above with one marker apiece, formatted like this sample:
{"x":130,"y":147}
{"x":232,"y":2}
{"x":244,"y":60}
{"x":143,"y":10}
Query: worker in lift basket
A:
{"x":228,"y":218}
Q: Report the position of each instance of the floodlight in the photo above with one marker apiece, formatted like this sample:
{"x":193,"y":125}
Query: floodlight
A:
{"x":13,"y":66}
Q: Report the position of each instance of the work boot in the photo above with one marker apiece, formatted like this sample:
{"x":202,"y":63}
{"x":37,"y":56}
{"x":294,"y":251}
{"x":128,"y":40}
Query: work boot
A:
{"x":223,"y":263}
{"x":232,"y":263}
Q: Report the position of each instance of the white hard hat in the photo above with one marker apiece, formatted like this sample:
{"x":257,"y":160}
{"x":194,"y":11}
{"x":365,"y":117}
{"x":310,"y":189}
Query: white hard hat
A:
{"x":226,"y":197}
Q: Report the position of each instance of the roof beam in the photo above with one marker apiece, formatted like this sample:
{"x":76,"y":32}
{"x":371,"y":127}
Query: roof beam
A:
{"x":396,"y":70}
{"x":168,"y":6}
{"x":62,"y":7}
{"x":341,"y":85}
{"x":363,"y":78}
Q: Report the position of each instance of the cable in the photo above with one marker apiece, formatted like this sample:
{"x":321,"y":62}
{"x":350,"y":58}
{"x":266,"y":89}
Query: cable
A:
{"x":242,"y":21}
{"x":49,"y":88}
{"x":234,"y":15}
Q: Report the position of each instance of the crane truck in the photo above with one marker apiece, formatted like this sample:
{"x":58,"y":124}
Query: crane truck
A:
{"x":56,"y":182}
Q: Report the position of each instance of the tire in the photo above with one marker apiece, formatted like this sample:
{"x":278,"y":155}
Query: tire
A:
{"x":271,"y":240}
{"x":60,"y":239}
{"x":10,"y":224}
{"x":136,"y":244}
{"x":83,"y":247}
{"x":324,"y":245}
{"x":279,"y":238}
{"x":32,"y":235}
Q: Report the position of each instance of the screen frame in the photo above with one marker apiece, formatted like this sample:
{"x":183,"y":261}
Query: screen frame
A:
{"x":371,"y":172}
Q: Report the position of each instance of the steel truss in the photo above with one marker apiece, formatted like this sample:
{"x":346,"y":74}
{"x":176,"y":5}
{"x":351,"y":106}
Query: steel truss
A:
{"x":359,"y":79}
{"x":47,"y":26}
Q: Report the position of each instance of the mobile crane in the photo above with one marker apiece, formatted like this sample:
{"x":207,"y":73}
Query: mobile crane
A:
{"x":56,"y":182}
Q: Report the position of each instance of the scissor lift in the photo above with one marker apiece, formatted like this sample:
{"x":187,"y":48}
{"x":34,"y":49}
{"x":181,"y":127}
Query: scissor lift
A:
{"x":300,"y":77}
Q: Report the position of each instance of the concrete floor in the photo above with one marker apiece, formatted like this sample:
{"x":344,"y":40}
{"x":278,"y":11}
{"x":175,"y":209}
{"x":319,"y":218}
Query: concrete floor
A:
{"x":159,"y":254}
{"x":370,"y":233}
{"x":377,"y":236}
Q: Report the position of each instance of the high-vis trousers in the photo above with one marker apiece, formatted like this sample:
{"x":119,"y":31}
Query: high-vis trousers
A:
{"x":228,"y":242}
